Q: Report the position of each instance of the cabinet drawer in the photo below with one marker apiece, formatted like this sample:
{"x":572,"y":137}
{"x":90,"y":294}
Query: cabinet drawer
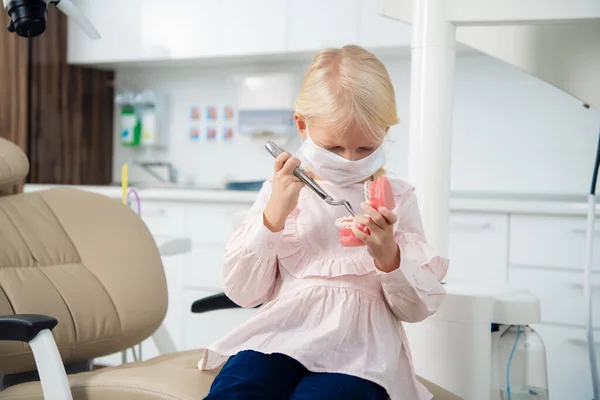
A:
{"x":478,"y":247}
{"x":203,"y":267}
{"x":552,"y":242}
{"x":164,"y":218}
{"x":201,"y":330}
{"x":213,"y":223}
{"x":560,"y":294}
{"x":567,"y":362}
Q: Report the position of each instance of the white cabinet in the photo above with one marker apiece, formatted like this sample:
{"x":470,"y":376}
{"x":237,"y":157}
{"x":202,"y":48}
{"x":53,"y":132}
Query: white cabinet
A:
{"x":253,"y":27}
{"x":560,"y":294}
{"x":118,"y":22}
{"x":478,"y":247}
{"x":190,"y":29}
{"x":375,"y":30}
{"x":317,"y":24}
{"x":146,"y":30}
{"x":203,"y":267}
{"x":550,"y":242}
{"x":201,"y":330}
{"x":567,"y":359}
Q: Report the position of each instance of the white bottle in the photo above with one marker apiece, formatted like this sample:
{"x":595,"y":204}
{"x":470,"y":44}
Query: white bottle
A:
{"x":146,"y":104}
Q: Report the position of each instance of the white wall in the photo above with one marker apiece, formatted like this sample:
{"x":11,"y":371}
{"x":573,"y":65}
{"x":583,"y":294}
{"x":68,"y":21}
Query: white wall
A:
{"x":512,"y":133}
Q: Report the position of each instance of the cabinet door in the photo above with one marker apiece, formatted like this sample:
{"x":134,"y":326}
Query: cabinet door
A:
{"x":173,"y":321}
{"x":201,"y":330}
{"x":551,"y":242}
{"x":203,"y":267}
{"x":164,"y":218}
{"x":253,"y":27}
{"x":560,"y":294}
{"x":189,"y":30}
{"x":375,"y":30}
{"x":316,"y":24}
{"x":118,"y":23}
{"x":478,"y":247}
{"x":567,"y":362}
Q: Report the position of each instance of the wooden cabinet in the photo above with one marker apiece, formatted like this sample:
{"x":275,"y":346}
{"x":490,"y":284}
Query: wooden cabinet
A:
{"x":317,"y":24}
{"x":61,"y":115}
{"x":478,"y":247}
{"x":14,"y":96}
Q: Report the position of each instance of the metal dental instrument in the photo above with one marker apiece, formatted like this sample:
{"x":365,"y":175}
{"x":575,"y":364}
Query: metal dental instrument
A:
{"x":300,"y":174}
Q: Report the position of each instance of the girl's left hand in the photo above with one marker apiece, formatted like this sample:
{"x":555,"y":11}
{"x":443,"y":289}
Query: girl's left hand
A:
{"x":381,"y":242}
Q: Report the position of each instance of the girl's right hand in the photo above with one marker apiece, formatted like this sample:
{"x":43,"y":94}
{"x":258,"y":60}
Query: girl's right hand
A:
{"x":285,"y":192}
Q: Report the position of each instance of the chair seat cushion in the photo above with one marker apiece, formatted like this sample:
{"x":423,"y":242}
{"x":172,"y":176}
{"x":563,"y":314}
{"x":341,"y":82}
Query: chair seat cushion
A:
{"x":174,"y":376}
{"x":171,"y":377}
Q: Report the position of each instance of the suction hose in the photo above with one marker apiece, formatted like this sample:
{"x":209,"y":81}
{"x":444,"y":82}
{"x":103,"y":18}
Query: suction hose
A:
{"x":587,"y":277}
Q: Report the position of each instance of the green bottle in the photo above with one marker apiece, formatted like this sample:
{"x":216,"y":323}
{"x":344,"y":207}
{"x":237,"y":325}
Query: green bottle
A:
{"x":129,"y":123}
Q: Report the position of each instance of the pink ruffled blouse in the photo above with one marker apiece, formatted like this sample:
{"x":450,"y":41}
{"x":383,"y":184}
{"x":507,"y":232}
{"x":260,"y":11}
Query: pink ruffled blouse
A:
{"x":326,"y":305}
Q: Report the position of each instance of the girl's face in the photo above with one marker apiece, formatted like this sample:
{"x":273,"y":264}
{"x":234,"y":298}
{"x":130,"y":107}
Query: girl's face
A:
{"x":353,"y":143}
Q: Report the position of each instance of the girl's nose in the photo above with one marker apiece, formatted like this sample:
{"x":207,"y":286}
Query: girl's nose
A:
{"x":350,"y":155}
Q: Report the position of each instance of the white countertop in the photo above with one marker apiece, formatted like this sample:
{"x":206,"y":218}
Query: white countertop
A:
{"x":163,"y":194}
{"x":463,"y":202}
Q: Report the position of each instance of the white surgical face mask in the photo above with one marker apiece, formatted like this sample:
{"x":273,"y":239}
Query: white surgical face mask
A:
{"x":337,"y":169}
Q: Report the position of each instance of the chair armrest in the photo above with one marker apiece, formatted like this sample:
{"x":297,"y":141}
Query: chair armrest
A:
{"x":24,"y":327}
{"x":214,"y":303}
{"x":37,"y":331}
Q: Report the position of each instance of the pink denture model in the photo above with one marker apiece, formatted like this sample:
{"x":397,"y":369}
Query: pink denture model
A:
{"x":378,"y":193}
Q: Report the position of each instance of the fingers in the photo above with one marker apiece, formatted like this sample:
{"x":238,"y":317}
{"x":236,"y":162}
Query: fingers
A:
{"x":360,"y":234}
{"x":365,"y":221}
{"x":383,"y":218}
{"x":290,"y":165}
{"x":387,"y":214}
{"x":280,"y":161}
{"x":309,"y":173}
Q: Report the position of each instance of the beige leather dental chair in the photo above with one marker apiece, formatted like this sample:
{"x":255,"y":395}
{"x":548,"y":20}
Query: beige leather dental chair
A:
{"x":81,"y":277}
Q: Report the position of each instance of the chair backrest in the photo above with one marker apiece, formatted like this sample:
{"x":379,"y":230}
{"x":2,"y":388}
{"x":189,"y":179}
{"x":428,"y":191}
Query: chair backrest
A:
{"x":85,"y":259}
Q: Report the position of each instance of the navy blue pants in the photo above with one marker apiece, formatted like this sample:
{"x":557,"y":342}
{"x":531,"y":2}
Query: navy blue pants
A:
{"x":255,"y":376}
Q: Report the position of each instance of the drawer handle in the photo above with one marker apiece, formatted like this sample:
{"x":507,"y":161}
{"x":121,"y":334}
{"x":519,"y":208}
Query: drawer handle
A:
{"x":580,"y":342}
{"x":472,"y":227}
{"x":159,"y":212}
{"x":579,"y":285}
{"x":582,"y":231}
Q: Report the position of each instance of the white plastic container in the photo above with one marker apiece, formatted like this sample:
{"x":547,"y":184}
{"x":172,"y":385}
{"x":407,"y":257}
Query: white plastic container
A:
{"x":521,"y":365}
{"x":152,"y":111}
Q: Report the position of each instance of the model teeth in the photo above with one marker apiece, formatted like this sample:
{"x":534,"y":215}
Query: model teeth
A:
{"x":367,"y":184}
{"x":344,"y":222}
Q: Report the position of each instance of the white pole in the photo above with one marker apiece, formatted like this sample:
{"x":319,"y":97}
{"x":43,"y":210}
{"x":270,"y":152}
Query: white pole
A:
{"x":48,"y":362}
{"x":432,"y":83}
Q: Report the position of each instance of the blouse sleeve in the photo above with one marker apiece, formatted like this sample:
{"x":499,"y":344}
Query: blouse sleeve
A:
{"x":250,"y":262}
{"x":413,"y":291}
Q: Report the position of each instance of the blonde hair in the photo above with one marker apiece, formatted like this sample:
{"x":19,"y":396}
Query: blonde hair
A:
{"x":349,"y":85}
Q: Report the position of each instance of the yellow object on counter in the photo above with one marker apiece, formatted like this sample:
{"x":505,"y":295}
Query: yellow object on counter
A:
{"x":124,"y":183}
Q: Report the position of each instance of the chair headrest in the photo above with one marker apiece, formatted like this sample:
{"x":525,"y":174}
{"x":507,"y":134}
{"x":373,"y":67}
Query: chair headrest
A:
{"x":14,"y":165}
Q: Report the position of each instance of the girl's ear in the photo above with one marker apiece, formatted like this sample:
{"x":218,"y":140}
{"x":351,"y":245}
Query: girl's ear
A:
{"x":300,"y":125}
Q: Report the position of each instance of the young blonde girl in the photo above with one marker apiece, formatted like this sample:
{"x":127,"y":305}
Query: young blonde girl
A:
{"x":330,"y":324}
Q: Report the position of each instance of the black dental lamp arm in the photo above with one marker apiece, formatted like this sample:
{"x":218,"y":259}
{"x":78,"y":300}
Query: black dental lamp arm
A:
{"x":28,"y":17}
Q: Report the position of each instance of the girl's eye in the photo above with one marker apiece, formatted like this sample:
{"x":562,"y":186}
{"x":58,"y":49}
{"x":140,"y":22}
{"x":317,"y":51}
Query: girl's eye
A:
{"x":367,"y":148}
{"x":333,"y":148}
